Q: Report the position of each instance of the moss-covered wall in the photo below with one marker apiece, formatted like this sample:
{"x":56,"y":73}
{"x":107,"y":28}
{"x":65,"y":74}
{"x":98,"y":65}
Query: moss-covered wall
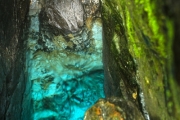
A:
{"x":138,"y":56}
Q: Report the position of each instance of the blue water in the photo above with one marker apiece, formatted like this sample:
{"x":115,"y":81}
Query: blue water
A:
{"x":64,"y":84}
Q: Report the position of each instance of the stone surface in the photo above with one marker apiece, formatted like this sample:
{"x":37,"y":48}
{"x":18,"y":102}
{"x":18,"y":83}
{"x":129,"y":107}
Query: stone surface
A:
{"x":63,"y":15}
{"x":72,"y":23}
{"x":12,"y":76}
{"x":113,"y":109}
{"x":137,"y":52}
{"x":140,"y":65}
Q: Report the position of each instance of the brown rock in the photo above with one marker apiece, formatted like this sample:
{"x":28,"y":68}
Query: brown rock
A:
{"x":113,"y":109}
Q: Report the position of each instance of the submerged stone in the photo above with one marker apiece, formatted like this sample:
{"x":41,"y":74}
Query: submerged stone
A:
{"x":113,"y":109}
{"x":65,"y":60}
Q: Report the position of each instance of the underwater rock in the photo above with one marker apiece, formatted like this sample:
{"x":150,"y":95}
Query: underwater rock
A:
{"x":64,"y":60}
{"x":113,"y":109}
{"x":75,"y":87}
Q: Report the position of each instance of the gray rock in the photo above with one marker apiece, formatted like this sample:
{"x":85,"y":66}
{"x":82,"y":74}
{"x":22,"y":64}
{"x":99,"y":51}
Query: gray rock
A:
{"x":64,"y":15}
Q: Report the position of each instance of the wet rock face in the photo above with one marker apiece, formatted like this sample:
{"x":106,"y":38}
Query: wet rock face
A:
{"x":64,"y":15}
{"x":68,"y":16}
{"x":12,"y":76}
{"x":91,"y":8}
{"x":137,"y":53}
{"x":113,"y":109}
{"x":71,"y":19}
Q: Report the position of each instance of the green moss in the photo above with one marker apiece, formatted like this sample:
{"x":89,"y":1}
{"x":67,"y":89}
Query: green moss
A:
{"x":131,"y":36}
{"x":172,"y":93}
{"x":154,"y":26}
{"x":147,"y":35}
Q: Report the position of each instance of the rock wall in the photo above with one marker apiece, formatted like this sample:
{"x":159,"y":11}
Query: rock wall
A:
{"x":138,"y":57}
{"x":141,"y":59}
{"x":12,"y":76}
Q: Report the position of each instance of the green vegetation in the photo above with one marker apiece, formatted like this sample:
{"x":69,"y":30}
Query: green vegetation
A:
{"x":141,"y":28}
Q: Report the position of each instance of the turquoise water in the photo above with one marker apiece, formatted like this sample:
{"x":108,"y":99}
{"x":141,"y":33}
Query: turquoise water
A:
{"x":63,"y":84}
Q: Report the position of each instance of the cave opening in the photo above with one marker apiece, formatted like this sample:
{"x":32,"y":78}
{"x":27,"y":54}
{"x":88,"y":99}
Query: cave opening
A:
{"x":64,"y":58}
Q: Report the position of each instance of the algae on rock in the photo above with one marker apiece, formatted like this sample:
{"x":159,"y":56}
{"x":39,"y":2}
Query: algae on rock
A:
{"x":138,"y":57}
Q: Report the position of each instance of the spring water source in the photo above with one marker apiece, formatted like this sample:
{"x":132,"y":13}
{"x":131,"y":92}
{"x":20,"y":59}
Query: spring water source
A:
{"x":65,"y":71}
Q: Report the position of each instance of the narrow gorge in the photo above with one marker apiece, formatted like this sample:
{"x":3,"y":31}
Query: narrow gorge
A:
{"x":89,"y":60}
